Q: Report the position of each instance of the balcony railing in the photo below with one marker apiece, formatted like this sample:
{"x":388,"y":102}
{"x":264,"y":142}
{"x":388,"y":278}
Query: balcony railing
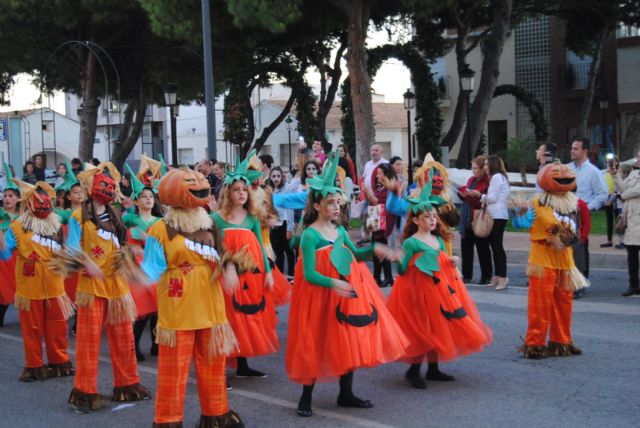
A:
{"x":625,"y":31}
{"x":576,"y":76}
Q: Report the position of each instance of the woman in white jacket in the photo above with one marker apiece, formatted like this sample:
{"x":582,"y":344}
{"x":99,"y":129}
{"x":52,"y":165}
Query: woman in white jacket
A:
{"x":630,"y":188}
{"x":497,"y":201}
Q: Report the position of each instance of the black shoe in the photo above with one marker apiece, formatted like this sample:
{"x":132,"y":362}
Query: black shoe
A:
{"x":578,"y":294}
{"x":484,"y":281}
{"x":467,"y":280}
{"x":354,"y":401}
{"x":415,"y":380}
{"x":229,"y":387}
{"x":139,"y":356}
{"x":388,"y":282}
{"x":154,"y":350}
{"x":250,"y":373}
{"x":631,"y":291}
{"x":437,"y":375}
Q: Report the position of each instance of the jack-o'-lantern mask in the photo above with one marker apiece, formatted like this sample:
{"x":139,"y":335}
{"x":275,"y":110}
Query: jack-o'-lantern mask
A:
{"x":184,"y":188}
{"x":40,"y":204}
{"x":104,"y":188}
{"x":557,"y":178}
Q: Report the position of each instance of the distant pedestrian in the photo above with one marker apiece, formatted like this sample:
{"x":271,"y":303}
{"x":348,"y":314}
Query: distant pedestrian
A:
{"x":76,"y":166}
{"x":218,"y":171}
{"x":28,"y":173}
{"x":497,"y":201}
{"x":610,"y":205}
{"x":39,"y":167}
{"x":95,"y":161}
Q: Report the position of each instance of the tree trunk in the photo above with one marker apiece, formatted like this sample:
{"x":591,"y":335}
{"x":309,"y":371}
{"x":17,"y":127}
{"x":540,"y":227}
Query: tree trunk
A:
{"x":131,"y":128}
{"x":358,"y":12}
{"x":589,"y":92}
{"x":328,"y":95}
{"x":491,"y":52}
{"x":631,"y":138}
{"x":90,"y":105}
{"x":459,"y":115}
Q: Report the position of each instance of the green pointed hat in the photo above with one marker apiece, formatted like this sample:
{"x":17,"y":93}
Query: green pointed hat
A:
{"x":69,"y":178}
{"x":136,"y":185}
{"x":163,"y":166}
{"x":242,"y":171}
{"x":8,"y":175}
{"x":425,"y":201}
{"x":325,"y":183}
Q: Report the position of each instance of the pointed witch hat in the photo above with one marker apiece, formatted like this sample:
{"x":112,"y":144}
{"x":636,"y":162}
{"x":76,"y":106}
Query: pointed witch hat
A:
{"x":69,"y":178}
{"x":425,"y":201}
{"x":136,"y":185}
{"x":9,"y":177}
{"x":325,"y":183}
{"x":241,"y":172}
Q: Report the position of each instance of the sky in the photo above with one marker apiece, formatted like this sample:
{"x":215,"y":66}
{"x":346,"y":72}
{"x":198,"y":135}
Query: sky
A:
{"x":391,"y":81}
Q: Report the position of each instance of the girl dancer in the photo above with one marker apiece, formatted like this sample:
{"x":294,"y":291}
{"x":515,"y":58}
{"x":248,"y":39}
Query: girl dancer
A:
{"x":250,"y":310}
{"x":429,"y":299}
{"x":9,"y":213}
{"x":338,"y":321}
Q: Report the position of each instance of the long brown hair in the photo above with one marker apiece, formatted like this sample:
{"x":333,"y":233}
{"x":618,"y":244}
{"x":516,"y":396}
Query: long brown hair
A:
{"x":226,"y":206}
{"x":411,"y":228}
{"x":496,"y":166}
{"x":310,"y":214}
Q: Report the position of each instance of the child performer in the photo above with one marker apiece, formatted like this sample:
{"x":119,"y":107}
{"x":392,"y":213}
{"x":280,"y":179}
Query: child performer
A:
{"x":9,"y":213}
{"x":250,"y":310}
{"x":338,"y":321}
{"x":44,"y":307}
{"x":181,"y":252}
{"x":97,"y":242}
{"x":147,"y":212}
{"x":429,"y":299}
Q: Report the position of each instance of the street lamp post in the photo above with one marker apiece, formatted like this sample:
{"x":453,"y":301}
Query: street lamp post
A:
{"x":409,"y":104}
{"x":288,"y":120}
{"x":466,"y":81}
{"x":170,"y":99}
{"x":604,"y":105}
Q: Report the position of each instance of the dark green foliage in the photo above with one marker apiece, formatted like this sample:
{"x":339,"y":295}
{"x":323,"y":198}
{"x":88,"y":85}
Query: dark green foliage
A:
{"x":536,"y":110}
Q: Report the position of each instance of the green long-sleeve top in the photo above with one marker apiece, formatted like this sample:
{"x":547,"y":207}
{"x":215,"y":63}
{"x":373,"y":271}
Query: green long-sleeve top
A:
{"x":251,"y":223}
{"x":311,"y":240}
{"x":427,"y":263}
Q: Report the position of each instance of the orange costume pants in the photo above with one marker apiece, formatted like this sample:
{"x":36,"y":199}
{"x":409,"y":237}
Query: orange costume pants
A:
{"x":91,"y":319}
{"x":173,"y":373}
{"x":44,"y":319}
{"x":550,"y":307}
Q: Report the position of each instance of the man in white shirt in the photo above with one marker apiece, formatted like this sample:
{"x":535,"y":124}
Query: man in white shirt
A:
{"x":590,"y":187}
{"x":376,"y":153}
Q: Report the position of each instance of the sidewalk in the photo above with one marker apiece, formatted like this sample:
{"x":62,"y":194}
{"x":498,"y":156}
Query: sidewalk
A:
{"x":517,"y":246}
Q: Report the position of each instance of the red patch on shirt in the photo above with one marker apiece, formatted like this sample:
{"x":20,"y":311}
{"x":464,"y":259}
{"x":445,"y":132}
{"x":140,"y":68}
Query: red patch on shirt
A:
{"x":97,"y":252}
{"x":175,"y":287}
{"x":185,"y":267}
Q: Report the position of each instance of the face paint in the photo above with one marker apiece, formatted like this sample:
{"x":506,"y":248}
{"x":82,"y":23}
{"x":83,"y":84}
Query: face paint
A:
{"x":104,"y":188}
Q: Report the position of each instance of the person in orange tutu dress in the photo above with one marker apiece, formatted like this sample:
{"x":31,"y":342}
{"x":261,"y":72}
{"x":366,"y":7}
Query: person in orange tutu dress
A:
{"x":9,"y":213}
{"x":429,"y":299}
{"x":250,"y":308}
{"x":147,"y":212}
{"x":338,"y":320}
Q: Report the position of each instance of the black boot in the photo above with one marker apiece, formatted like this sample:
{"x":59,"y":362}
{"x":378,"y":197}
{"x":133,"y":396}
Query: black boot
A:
{"x":244,"y":371}
{"x":304,"y":404}
{"x":3,"y":311}
{"x":413,"y":377}
{"x":434,"y":373}
{"x":628,"y":292}
{"x":138,"y":329}
{"x":388,"y":275}
{"x":346,"y":398}
{"x":153,"y":321}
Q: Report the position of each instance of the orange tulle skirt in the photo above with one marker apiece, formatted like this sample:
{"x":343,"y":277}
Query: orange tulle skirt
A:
{"x":438,"y":316}
{"x":250,"y":309}
{"x":281,"y":292}
{"x":330,"y":335}
{"x":8,"y":280}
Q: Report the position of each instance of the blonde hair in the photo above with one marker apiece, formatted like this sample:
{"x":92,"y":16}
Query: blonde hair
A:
{"x":226,"y":205}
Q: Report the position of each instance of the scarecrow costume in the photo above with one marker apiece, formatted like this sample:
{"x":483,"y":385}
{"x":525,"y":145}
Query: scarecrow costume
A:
{"x":250,"y":308}
{"x":44,"y":307}
{"x":181,"y":254}
{"x":99,"y":239}
{"x":7,"y":267}
{"x":144,"y":296}
{"x":552,"y":220}
{"x":329,"y":336}
{"x":431,"y":303}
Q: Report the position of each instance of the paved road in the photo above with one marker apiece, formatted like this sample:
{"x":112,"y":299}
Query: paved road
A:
{"x":494,"y":388}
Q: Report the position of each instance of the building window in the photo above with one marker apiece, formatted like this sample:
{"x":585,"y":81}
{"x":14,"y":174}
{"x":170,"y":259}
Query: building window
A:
{"x":386,"y":147}
{"x":185,"y":156}
{"x":146,"y":130}
{"x":284,"y":155}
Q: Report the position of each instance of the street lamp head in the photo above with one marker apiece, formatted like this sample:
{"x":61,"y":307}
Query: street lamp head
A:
{"x":409,"y":100}
{"x":604,"y":103}
{"x":466,"y":79}
{"x":288,"y":121}
{"x":170,"y":94}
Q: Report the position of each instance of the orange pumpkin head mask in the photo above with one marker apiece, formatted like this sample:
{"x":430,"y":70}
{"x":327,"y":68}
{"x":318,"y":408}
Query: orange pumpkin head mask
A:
{"x":556,"y":178}
{"x":184,"y":188}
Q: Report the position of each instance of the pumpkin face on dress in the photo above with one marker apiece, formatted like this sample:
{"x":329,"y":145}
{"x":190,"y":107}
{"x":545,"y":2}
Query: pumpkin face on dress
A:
{"x":556,"y":178}
{"x":184,"y":188}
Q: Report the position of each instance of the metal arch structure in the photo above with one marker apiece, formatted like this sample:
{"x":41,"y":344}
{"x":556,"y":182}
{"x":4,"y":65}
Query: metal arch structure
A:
{"x":94,"y":49}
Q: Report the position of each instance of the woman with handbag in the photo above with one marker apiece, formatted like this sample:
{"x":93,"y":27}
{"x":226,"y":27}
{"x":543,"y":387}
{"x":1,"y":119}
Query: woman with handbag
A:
{"x":630,"y":188}
{"x":387,"y":220}
{"x":497,"y":202}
